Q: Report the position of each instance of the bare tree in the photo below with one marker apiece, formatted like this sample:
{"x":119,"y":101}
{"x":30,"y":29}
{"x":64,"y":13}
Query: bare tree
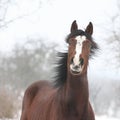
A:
{"x":113,"y":40}
{"x":27,"y":63}
{"x":4,"y":8}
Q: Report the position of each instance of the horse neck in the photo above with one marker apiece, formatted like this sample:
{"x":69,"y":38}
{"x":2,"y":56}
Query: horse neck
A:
{"x":73,"y":96}
{"x":77,"y":87}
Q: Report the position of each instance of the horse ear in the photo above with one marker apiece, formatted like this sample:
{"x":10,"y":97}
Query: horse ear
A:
{"x":89,"y":28}
{"x":74,"y":26}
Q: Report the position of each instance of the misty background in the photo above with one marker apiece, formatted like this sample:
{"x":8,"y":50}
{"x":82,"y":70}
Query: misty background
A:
{"x":31,"y":32}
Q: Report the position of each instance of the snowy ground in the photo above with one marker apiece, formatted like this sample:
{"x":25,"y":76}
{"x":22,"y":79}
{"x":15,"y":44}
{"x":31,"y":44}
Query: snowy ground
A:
{"x":97,"y":118}
{"x":106,"y":118}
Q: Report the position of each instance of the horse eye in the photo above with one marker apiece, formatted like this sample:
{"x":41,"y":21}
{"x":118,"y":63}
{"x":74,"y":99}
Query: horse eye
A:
{"x":70,"y":42}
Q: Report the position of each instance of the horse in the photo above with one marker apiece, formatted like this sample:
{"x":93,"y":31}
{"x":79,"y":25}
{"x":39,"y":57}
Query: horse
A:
{"x":67,"y":98}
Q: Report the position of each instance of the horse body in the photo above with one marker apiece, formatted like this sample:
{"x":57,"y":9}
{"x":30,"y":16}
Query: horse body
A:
{"x":46,"y":103}
{"x":70,"y":99}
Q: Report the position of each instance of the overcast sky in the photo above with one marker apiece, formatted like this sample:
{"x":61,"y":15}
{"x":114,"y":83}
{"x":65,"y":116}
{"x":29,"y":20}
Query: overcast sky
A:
{"x":51,"y":20}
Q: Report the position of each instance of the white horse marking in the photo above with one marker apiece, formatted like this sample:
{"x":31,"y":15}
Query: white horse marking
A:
{"x":78,"y":49}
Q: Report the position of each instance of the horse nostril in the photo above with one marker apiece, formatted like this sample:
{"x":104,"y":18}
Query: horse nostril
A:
{"x":76,"y":67}
{"x":72,"y":61}
{"x":81,"y":61}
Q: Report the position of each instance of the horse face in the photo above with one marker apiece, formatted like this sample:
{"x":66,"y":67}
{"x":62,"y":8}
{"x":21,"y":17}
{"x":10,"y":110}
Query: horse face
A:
{"x":79,"y":48}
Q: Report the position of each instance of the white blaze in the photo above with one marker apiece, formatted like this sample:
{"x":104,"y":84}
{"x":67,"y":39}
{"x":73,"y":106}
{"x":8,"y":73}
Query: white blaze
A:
{"x":79,"y":45}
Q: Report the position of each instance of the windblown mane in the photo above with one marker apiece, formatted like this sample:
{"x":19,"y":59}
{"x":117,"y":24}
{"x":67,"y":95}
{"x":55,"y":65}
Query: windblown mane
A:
{"x":61,"y":64}
{"x":61,"y":69}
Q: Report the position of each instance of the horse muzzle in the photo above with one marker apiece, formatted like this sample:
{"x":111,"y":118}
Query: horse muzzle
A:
{"x":76,"y":68}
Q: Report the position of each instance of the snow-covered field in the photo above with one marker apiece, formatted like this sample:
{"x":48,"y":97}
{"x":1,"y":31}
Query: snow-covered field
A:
{"x":97,"y":118}
{"x":106,"y":118}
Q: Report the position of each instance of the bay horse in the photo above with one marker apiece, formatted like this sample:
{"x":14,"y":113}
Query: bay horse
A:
{"x":67,"y":98}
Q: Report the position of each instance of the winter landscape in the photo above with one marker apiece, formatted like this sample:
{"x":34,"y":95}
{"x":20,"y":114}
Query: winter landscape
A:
{"x":33,"y":30}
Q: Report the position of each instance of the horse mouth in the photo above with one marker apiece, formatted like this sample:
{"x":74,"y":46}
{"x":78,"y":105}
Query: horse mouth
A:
{"x":77,"y":69}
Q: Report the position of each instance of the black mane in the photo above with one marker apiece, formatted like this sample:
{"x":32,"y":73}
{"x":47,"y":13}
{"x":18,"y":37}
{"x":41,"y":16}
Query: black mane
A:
{"x":61,"y":64}
{"x":61,"y":69}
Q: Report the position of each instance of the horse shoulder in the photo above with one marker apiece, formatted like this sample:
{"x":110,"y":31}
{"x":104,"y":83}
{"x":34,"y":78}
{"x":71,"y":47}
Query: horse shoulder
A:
{"x":44,"y":105}
{"x":30,"y":93}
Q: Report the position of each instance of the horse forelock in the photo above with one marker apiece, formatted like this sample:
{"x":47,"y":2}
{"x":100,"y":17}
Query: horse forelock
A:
{"x":76,"y":33}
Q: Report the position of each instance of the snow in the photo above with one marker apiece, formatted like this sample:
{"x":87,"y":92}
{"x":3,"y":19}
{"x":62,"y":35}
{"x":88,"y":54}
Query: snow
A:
{"x":103,"y":117}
